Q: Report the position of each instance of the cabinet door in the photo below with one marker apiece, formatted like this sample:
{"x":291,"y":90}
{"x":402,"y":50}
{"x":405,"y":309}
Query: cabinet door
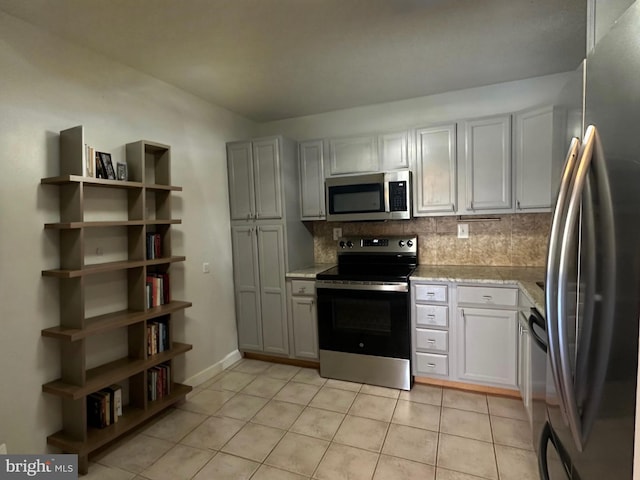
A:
{"x":533,"y":159}
{"x":311,"y":160}
{"x":487,"y":346}
{"x":247,"y":287}
{"x":435,"y":183}
{"x":266,"y":160}
{"x":272,"y":289}
{"x":488,"y":163}
{"x":241,"y":189}
{"x":305,"y":327}
{"x":353,"y":155}
{"x":393,"y":150}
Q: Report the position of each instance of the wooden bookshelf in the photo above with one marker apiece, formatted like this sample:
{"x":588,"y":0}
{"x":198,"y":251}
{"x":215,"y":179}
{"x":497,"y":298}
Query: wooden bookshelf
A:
{"x":148,"y":192}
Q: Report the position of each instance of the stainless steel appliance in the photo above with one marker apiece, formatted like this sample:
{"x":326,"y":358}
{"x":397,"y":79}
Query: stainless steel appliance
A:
{"x":592,"y":288}
{"x":364,"y":314}
{"x":374,"y":196}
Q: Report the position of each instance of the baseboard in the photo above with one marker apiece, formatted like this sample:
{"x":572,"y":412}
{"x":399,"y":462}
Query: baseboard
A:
{"x":469,"y":387}
{"x":215,"y":369}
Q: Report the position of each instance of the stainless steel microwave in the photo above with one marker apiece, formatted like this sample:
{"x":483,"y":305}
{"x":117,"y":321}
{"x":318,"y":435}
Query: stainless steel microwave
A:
{"x":373,"y":196}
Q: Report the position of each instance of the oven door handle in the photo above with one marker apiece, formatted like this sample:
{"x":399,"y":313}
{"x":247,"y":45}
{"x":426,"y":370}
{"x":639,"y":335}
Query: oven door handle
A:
{"x":388,"y":287}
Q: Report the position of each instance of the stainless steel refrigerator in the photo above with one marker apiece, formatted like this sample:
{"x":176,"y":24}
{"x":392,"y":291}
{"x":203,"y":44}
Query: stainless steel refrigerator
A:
{"x":592,"y":283}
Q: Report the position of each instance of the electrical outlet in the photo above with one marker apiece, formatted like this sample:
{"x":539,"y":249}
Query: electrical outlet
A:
{"x":337,"y":233}
{"x":463,"y":230}
{"x":205,"y":267}
{"x":99,"y":251}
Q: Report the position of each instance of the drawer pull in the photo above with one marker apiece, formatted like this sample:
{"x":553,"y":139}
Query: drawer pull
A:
{"x":302,"y":290}
{"x":487,"y":297}
{"x":430,"y":294}
{"x":431,"y":315}
{"x":431,"y":340}
{"x":431,"y":365}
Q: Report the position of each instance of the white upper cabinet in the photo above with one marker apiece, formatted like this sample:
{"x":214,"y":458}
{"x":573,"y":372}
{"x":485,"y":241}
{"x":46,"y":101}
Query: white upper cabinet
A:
{"x":353,"y":155}
{"x":266,"y":158}
{"x":241,"y":189}
{"x":311,"y":163}
{"x":488,"y":175}
{"x":254,"y":179}
{"x":393,"y":149}
{"x":435,"y":179}
{"x":533,"y":138}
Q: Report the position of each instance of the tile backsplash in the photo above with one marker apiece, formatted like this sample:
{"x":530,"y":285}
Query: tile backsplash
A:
{"x":499,"y":240}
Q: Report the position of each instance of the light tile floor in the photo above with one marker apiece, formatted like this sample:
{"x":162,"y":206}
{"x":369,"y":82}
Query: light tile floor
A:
{"x":268,"y":421}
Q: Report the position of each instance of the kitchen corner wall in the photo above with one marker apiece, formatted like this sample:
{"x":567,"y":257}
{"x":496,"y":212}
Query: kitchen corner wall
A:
{"x":506,"y":240}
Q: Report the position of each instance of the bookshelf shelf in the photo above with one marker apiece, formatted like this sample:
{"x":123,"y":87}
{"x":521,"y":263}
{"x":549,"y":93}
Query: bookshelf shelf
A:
{"x":142,"y":375}
{"x":111,"y":321}
{"x":131,"y":418}
{"x":108,"y":373}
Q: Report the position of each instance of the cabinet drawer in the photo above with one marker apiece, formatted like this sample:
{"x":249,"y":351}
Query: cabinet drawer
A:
{"x":431,"y":293}
{"x":432,"y":340}
{"x":488,"y":296}
{"x":432,"y":363}
{"x":432,"y":315}
{"x":303,"y":287}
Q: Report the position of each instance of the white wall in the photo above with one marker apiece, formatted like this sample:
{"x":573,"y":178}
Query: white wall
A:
{"x":48,"y":85}
{"x":422,"y":111}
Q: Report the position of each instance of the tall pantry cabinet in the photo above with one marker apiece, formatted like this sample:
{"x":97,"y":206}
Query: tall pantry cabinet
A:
{"x":268,"y":238}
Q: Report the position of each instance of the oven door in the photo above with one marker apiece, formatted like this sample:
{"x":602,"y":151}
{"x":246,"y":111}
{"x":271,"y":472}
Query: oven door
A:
{"x":364,"y":321}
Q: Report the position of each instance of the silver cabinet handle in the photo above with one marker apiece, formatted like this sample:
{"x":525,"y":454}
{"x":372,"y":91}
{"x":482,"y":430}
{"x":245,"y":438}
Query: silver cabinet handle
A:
{"x":431,"y":340}
{"x":518,"y":205}
{"x":431,"y":365}
{"x":487,"y":298}
{"x":431,"y":315}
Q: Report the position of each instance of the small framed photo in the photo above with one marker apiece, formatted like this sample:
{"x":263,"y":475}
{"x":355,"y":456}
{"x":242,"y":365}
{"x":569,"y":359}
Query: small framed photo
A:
{"x":122,"y":172}
{"x":106,"y":161}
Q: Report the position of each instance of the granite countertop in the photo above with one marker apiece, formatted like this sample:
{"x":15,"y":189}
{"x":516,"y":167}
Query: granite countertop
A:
{"x":523,"y":277}
{"x":309,"y":272}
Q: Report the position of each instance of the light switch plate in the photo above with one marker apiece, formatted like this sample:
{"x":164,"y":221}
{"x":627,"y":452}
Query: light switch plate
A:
{"x":337,"y":233}
{"x":463,"y":230}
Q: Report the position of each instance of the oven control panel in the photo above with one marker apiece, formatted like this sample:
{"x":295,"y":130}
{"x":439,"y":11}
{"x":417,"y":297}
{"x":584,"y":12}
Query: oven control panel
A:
{"x":388,"y":245}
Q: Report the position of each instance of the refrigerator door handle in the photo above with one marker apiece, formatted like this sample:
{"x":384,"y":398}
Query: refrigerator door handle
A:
{"x":565,"y":374}
{"x":553,"y":257}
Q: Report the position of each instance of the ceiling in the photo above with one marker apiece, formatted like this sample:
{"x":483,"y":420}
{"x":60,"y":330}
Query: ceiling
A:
{"x":276,"y":59}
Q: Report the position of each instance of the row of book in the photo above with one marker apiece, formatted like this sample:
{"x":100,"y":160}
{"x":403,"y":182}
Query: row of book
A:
{"x":104,"y":407}
{"x":157,"y":337}
{"x":99,"y":165}
{"x":159,"y":382}
{"x":154,"y":246}
{"x":157,"y":289}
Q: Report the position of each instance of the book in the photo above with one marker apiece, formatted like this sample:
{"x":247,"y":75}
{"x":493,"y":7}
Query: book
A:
{"x":89,"y":155}
{"x":95,"y":410}
{"x":115,"y":396}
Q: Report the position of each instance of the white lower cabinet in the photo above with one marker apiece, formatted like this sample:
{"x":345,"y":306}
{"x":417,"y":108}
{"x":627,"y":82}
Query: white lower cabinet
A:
{"x":304,"y":320}
{"x":486,"y":345}
{"x":258,"y":262}
{"x":478,"y":343}
{"x":430,"y":329}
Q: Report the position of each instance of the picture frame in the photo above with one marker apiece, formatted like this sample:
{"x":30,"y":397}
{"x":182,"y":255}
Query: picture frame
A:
{"x":108,"y":165}
{"x":123,"y":174}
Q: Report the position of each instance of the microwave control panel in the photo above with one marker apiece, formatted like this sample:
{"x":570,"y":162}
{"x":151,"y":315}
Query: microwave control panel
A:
{"x":398,"y":196}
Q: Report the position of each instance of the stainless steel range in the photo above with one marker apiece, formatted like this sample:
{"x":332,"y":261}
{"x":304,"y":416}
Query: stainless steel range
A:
{"x":363,"y":311}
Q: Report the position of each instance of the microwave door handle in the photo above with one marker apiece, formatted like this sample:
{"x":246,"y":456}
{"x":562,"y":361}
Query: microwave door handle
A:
{"x":387,"y":204}
{"x":573,"y":216}
{"x":551,"y":277}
